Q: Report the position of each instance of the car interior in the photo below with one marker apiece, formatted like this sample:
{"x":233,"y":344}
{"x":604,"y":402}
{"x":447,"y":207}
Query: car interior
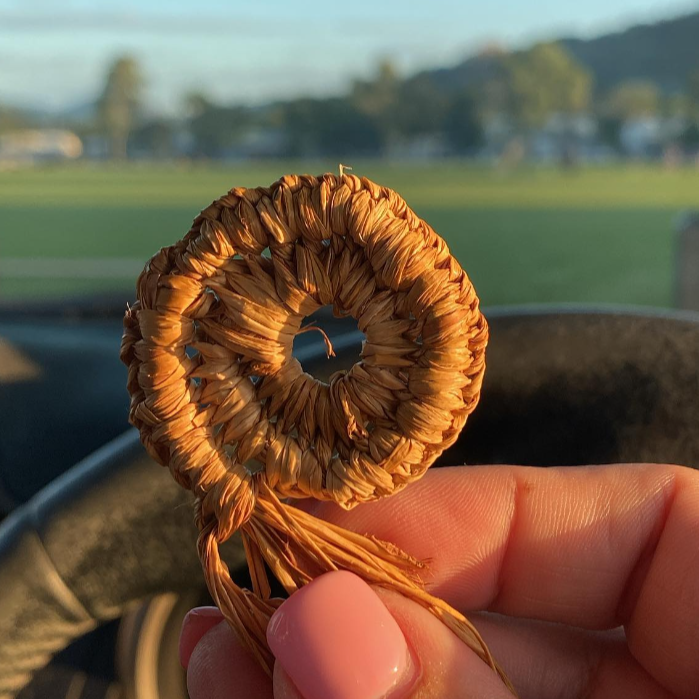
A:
{"x":98,"y":560}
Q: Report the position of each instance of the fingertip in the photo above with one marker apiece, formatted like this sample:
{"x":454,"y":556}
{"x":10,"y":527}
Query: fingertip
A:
{"x":197,"y":622}
{"x":448,"y":667}
{"x":335,"y":638}
{"x":220,"y":668}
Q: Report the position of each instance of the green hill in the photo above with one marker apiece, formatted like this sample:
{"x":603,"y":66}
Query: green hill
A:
{"x":665,"y":53}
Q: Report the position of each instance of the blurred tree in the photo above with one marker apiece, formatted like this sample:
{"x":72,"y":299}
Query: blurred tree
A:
{"x":494,"y":94}
{"x":215,"y":129}
{"x":609,"y":131}
{"x":675,"y":105}
{"x":298,"y":123}
{"x":343,"y":130}
{"x":118,"y":107}
{"x":693,"y":93}
{"x":332,"y":128}
{"x":419,"y":108}
{"x":690,"y":137}
{"x":545,"y":80}
{"x":154,"y":139}
{"x":462,"y":127}
{"x":378,"y":99}
{"x":633,"y":100}
{"x":12,"y":119}
{"x":401,"y":110}
{"x":195,"y":103}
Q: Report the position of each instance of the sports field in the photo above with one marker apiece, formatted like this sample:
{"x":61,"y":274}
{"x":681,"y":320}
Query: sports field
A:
{"x":601,"y":235}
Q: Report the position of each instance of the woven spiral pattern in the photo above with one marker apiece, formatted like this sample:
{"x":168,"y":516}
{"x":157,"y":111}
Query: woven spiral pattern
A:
{"x":220,"y":400}
{"x":218,"y":396}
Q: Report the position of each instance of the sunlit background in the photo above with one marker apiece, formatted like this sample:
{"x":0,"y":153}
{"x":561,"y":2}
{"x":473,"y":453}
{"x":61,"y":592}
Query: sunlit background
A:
{"x":553,"y":144}
{"x":556,"y":150}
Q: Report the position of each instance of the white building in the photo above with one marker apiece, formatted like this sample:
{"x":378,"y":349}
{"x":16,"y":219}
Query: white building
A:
{"x":36,"y":145}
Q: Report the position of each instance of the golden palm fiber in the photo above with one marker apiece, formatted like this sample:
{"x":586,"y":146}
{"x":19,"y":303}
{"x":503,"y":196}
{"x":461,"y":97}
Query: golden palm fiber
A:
{"x":220,"y":400}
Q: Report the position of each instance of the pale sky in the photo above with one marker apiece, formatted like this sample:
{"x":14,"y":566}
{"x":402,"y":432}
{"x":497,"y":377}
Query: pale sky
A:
{"x":55,"y":54}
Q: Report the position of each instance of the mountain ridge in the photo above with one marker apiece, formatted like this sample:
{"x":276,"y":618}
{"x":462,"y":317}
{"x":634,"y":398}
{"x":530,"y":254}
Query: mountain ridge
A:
{"x":664,"y":52}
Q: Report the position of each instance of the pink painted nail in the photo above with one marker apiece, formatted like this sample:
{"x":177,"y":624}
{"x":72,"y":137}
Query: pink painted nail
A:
{"x":335,"y":638}
{"x":197,"y":622}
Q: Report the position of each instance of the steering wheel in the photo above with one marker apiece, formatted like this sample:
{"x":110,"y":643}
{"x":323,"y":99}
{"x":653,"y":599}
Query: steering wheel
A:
{"x":562,"y":387}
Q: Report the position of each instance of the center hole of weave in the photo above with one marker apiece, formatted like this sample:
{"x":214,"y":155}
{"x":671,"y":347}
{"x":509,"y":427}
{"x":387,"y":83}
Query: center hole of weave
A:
{"x":310,"y":347}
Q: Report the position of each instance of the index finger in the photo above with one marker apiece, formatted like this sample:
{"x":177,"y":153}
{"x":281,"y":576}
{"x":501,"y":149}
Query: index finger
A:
{"x":595,"y":547}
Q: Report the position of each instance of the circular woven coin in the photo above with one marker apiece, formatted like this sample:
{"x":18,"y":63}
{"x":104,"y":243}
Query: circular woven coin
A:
{"x":220,"y":400}
{"x":219,"y":397}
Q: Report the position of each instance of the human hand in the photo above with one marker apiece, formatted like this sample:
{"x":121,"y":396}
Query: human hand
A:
{"x":588,"y":580}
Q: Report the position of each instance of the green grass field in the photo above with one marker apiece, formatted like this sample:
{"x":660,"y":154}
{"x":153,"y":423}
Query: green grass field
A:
{"x":532,"y":235}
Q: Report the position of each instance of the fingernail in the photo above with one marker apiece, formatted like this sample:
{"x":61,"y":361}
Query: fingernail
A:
{"x":197,"y":622}
{"x":335,"y":638}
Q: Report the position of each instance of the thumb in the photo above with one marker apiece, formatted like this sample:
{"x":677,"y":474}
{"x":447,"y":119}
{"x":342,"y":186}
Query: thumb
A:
{"x":338,"y":637}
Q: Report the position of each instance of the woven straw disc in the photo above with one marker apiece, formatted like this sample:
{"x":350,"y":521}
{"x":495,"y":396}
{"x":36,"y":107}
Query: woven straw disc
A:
{"x":218,"y":396}
{"x":220,"y":400}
